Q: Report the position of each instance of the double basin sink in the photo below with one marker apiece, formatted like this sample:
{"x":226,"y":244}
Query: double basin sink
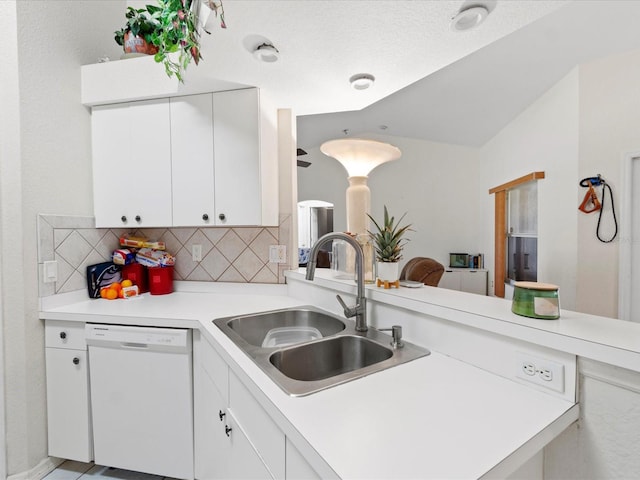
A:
{"x":305,"y":350}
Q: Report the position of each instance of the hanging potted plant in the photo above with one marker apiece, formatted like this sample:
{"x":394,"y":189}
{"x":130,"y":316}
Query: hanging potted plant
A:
{"x":135,"y":36}
{"x":172,"y":28}
{"x":388,"y":243}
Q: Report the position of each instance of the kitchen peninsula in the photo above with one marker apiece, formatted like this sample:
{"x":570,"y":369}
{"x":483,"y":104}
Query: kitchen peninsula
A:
{"x":455,"y":413}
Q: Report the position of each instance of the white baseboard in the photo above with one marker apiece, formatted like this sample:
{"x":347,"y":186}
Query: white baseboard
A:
{"x":40,"y":471}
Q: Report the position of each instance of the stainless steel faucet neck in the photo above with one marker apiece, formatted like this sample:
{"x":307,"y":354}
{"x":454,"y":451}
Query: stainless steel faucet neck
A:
{"x":359,"y":310}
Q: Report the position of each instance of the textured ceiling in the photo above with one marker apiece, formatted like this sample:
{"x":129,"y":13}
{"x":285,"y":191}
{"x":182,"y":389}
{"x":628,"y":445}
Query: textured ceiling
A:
{"x":472,"y":99}
{"x":324,"y":42}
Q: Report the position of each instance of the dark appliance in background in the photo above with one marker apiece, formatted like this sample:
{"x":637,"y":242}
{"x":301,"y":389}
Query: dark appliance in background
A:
{"x":522,"y":265}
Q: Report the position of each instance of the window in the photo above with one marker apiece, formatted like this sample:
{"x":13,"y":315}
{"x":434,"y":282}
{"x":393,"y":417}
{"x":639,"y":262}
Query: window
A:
{"x":522,"y":233}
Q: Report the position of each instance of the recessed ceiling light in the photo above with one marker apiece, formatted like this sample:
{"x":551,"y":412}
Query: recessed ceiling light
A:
{"x":266,"y":53}
{"x":362,"y":81}
{"x":469,"y":18}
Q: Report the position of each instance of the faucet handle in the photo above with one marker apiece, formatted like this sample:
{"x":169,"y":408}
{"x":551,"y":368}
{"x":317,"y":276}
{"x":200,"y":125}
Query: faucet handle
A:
{"x":348,"y":311}
{"x":396,"y":332}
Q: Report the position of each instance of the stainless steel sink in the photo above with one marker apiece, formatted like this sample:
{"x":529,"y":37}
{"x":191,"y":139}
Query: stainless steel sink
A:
{"x":328,"y":358}
{"x":341,"y":355}
{"x":254,"y":328}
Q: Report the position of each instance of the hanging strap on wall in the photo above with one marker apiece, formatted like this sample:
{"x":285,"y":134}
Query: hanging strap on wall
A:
{"x":591,"y":203}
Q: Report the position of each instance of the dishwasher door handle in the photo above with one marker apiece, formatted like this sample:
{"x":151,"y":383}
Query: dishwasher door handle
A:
{"x":134,"y":345}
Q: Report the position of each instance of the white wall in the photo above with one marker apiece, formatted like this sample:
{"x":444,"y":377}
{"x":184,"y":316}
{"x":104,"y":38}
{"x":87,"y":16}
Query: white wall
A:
{"x":609,"y":120}
{"x":436,"y":184}
{"x":9,"y":190}
{"x":542,"y":138}
{"x":48,"y":171}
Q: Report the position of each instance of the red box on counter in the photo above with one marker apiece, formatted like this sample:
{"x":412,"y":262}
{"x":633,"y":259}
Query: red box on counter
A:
{"x":137,"y":274}
{"x":160,"y":280}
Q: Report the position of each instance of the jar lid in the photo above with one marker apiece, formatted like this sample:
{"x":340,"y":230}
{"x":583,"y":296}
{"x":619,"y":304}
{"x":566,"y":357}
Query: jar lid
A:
{"x":536,"y":286}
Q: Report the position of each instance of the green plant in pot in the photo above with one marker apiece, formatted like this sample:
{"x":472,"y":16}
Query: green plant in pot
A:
{"x":388,"y":242}
{"x":136,"y":35}
{"x":172,"y":28}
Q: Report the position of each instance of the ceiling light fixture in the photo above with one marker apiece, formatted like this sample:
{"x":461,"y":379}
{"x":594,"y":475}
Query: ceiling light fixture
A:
{"x":266,"y":53}
{"x":469,"y":18}
{"x":362,"y":81}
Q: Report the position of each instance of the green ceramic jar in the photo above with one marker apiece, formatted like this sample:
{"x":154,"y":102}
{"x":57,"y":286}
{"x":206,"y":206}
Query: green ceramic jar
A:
{"x":536,"y":300}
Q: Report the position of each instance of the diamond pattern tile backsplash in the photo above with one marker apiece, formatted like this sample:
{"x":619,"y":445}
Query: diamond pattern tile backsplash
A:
{"x":234,"y":254}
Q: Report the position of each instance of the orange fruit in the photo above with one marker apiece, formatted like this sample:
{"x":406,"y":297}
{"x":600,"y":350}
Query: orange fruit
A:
{"x":117,"y":286}
{"x":112,"y":294}
{"x":120,"y":293}
{"x":126,"y":283}
{"x":103,"y":292}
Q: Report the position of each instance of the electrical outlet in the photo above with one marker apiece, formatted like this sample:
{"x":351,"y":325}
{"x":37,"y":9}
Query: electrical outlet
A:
{"x":277,"y":254}
{"x":196,"y":253}
{"x":540,"y":371}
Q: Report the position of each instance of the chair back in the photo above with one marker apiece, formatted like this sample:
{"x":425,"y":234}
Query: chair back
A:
{"x":423,"y":269}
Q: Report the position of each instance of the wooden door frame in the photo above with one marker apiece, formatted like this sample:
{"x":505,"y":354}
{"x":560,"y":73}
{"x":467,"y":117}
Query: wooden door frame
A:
{"x":500,"y":228}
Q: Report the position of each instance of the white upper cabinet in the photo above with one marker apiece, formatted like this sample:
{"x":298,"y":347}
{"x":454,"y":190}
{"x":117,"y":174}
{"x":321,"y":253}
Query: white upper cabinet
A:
{"x":199,"y":160}
{"x":132,"y":164}
{"x":192,"y":161}
{"x":237,"y":157}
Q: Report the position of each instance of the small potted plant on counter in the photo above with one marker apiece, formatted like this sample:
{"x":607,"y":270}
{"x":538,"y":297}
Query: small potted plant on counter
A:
{"x":388,"y":243}
{"x":170,"y":27}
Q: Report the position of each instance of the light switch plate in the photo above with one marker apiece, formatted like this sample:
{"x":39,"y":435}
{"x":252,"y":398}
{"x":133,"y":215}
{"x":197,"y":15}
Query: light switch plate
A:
{"x":50,"y":271}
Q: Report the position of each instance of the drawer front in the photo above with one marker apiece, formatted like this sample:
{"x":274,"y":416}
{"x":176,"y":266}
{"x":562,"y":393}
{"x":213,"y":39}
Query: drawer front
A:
{"x":216,"y":368}
{"x":263,"y":433}
{"x":64,"y":334}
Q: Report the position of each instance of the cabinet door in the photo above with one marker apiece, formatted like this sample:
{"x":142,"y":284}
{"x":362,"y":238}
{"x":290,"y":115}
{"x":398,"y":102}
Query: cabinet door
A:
{"x":244,"y":461}
{"x":131,"y":148}
{"x":192,"y":160}
{"x":212,"y":446}
{"x":297,"y":467}
{"x":69,"y":427}
{"x":238,"y":192}
{"x":474,"y":281}
{"x":451,"y":280}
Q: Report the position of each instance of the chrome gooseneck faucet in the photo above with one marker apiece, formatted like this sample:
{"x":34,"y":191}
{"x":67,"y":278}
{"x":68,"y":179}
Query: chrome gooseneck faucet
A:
{"x":359,"y":310}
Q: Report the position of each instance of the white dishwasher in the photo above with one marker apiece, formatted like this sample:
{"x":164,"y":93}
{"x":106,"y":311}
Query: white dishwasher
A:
{"x":141,"y":398}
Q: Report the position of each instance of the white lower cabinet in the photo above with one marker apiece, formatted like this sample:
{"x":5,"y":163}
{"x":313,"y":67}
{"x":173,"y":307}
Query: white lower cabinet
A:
{"x":68,"y":411}
{"x":234,"y":437}
{"x":297,"y":466}
{"x":465,"y":280}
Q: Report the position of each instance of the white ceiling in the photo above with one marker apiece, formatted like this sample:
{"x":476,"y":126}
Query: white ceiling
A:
{"x":471,"y":100}
{"x":431,"y":82}
{"x":324,"y":42}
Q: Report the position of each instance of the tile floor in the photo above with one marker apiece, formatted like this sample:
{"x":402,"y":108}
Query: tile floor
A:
{"x":71,"y":470}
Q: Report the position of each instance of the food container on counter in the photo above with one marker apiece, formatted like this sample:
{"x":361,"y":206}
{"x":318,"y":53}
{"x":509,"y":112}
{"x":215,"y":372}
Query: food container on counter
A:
{"x":137,"y":273}
{"x":536,"y":300}
{"x":160,"y":280}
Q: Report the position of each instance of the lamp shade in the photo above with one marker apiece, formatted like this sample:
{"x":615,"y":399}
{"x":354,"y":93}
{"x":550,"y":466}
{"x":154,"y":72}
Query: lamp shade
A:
{"x":360,"y":156}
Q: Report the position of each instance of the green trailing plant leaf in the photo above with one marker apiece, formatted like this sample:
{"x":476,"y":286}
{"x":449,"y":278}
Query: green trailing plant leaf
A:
{"x":171,"y":25}
{"x":388,"y":238}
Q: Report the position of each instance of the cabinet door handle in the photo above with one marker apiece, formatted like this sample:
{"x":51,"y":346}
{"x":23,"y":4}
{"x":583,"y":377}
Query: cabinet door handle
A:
{"x":138,"y":218}
{"x":227,"y":430}
{"x":222,"y":216}
{"x":205,"y":217}
{"x":221,"y":415}
{"x":76,"y":361}
{"x":63,"y":335}
{"x":123,"y":218}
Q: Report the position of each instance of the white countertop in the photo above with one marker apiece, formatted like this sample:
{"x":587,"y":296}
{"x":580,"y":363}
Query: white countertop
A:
{"x":608,"y":340}
{"x":435,"y":417}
